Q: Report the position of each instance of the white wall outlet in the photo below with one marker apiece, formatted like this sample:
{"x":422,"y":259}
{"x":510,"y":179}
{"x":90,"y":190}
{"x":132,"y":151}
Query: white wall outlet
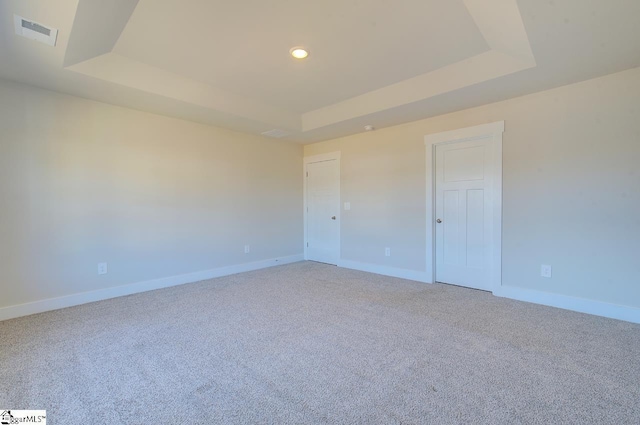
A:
{"x":347,"y":206}
{"x":102,"y":268}
{"x":545,"y":270}
{"x":247,"y":249}
{"x":387,"y":252}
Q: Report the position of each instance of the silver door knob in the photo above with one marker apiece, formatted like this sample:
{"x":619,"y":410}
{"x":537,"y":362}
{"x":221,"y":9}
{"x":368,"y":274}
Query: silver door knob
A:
{"x":333,"y":218}
{"x":438,"y":221}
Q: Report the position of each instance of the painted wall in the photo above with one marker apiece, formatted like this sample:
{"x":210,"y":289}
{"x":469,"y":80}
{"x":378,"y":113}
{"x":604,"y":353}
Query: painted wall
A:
{"x":83,"y":182}
{"x":571,"y":195}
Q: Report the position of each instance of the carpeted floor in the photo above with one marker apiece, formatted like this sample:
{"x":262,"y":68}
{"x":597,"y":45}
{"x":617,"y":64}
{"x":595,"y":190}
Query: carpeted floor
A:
{"x":311,"y":343}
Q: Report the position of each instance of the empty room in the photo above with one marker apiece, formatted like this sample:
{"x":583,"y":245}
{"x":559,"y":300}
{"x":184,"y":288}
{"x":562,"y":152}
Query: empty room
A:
{"x":320,"y":212}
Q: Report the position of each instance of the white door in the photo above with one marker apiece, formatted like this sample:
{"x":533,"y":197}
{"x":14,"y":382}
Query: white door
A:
{"x":323,"y":211}
{"x":464,"y":213}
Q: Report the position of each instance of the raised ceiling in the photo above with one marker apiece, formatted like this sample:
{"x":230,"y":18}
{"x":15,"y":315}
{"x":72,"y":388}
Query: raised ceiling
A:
{"x":235,"y":45}
{"x":372,"y":62}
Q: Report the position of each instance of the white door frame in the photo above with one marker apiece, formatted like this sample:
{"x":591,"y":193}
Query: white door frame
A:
{"x":493,"y":131}
{"x":309,"y":160}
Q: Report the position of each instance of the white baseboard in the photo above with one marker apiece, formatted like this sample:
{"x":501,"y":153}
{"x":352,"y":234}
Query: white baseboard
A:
{"x":134,"y":288}
{"x":598,"y":308}
{"x":386,"y":271}
{"x":581,"y":305}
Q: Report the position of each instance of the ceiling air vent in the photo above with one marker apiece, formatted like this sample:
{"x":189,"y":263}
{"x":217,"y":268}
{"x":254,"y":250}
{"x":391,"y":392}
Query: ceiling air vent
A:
{"x":275,"y":133}
{"x":35,"y":31}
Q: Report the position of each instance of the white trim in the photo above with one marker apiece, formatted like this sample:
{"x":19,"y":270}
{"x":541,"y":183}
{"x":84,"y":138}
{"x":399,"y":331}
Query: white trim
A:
{"x":386,"y":271}
{"x":598,"y":308}
{"x":134,"y":288}
{"x":310,"y":160}
{"x":494,"y":131}
{"x":322,"y":157}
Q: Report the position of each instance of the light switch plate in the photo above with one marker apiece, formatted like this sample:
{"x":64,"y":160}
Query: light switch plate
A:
{"x":102,"y":268}
{"x":347,"y":206}
{"x":545,"y":270}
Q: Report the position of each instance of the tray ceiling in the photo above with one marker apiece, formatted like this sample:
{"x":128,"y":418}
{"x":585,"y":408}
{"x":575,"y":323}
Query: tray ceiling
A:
{"x":377,"y":62}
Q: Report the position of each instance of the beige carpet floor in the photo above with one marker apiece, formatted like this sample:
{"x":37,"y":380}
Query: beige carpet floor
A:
{"x":310,"y":343}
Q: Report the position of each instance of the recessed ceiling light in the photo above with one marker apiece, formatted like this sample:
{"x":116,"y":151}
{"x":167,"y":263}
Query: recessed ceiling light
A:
{"x":299,"y":53}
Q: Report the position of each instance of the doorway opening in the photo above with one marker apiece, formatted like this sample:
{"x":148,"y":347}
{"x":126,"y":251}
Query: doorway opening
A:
{"x":322,"y":208}
{"x":464,"y":206}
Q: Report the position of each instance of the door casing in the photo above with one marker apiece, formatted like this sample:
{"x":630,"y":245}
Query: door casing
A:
{"x":494,"y":132}
{"x":309,"y":160}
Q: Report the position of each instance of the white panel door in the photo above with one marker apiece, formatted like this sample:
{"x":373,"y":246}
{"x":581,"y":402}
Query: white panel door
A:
{"x":463,"y":212}
{"x":323,"y":209}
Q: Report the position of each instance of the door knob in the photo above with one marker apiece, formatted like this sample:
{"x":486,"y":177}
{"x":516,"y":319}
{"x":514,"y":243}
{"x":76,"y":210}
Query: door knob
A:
{"x":333,"y":218}
{"x":438,"y":221}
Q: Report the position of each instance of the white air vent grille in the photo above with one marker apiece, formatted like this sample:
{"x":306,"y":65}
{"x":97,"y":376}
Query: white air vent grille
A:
{"x":35,"y":31}
{"x":37,"y":28}
{"x":275,"y":133}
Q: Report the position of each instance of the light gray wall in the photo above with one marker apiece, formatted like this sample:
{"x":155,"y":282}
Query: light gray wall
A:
{"x":83,"y":182}
{"x":571,"y":195}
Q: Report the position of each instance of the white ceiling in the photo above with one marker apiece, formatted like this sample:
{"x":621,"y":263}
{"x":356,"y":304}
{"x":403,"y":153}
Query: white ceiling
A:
{"x":243,"y":46}
{"x":372,"y":62}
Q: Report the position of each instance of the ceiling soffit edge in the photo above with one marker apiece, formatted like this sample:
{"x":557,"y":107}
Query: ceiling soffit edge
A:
{"x":93,"y":38}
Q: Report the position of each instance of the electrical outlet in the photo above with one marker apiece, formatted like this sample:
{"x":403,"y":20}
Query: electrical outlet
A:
{"x":387,"y":252}
{"x":102,"y":268}
{"x":347,"y":206}
{"x":247,"y":249}
{"x":545,"y":271}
